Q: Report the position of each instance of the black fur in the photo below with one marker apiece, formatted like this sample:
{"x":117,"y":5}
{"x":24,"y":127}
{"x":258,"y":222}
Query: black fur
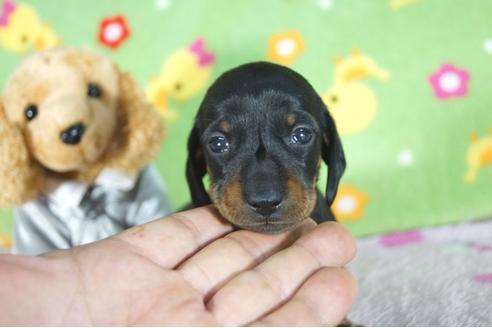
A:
{"x":255,"y":101}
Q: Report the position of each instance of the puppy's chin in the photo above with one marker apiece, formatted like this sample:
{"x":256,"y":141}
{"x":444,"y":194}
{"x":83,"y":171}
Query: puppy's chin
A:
{"x":242,"y":217}
{"x":270,"y":227}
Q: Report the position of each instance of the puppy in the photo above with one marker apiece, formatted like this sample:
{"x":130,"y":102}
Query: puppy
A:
{"x":260,"y":134}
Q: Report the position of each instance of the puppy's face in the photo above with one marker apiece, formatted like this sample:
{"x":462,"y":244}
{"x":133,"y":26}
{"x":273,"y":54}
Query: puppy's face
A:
{"x":65,"y":105}
{"x":262,"y":154}
{"x":261,"y":134}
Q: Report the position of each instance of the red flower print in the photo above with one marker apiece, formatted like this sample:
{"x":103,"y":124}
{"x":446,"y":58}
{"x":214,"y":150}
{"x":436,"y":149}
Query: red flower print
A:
{"x":113,"y":31}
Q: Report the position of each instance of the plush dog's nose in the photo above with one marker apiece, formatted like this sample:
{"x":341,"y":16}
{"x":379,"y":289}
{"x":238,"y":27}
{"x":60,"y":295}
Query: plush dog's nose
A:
{"x":266,"y":202}
{"x":73,"y":134}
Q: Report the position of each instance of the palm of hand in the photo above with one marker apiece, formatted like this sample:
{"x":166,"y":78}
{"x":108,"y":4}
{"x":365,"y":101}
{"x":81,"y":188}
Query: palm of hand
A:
{"x":191,"y":269}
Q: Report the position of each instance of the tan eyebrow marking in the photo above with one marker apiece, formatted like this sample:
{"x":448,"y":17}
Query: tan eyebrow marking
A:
{"x":291,"y":119}
{"x":225,"y":126}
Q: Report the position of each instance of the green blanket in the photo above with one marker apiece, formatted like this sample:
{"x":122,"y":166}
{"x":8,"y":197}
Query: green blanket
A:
{"x":407,"y":81}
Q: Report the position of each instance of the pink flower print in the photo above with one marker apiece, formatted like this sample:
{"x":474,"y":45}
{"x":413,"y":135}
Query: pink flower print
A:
{"x":8,"y":8}
{"x":449,"y":81}
{"x":485,"y":278}
{"x":401,"y":238}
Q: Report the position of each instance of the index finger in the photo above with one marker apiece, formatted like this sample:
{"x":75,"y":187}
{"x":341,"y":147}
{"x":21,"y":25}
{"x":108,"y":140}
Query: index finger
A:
{"x":171,"y":240}
{"x":274,"y":281}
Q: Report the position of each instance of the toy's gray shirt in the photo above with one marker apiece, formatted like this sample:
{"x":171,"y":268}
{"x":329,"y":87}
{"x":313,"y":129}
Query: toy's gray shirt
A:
{"x":73,"y":213}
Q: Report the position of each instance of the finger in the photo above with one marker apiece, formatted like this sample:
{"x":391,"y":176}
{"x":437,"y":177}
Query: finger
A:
{"x":171,"y":240}
{"x":323,"y":300}
{"x":207,"y":270}
{"x":255,"y":292}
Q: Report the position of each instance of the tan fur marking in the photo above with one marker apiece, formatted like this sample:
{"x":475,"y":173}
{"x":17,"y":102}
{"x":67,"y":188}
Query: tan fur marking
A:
{"x":301,"y":201}
{"x":229,"y":201}
{"x":225,"y":126}
{"x":291,"y":119}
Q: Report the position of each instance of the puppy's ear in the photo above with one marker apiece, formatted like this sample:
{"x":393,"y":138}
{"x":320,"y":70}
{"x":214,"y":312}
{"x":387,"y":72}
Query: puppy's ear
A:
{"x":332,"y":154}
{"x":196,"y":169}
{"x":140,"y":128}
{"x":20,"y":175}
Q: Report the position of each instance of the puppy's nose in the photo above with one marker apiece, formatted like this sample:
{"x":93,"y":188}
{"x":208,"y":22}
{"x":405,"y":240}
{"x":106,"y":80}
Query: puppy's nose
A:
{"x":73,"y":134}
{"x":265,"y":203}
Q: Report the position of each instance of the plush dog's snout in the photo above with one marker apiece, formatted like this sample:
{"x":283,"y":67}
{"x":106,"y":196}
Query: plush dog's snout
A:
{"x":266,"y":202}
{"x":73,"y":134}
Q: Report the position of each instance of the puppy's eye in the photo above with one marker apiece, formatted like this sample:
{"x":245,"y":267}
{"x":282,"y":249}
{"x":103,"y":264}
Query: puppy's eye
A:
{"x":93,"y":90}
{"x":301,"y":136}
{"x":218,"y":144}
{"x":31,"y":112}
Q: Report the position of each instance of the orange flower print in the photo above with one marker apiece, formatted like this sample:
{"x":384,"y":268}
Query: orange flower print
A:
{"x":349,"y":204}
{"x":284,"y":48}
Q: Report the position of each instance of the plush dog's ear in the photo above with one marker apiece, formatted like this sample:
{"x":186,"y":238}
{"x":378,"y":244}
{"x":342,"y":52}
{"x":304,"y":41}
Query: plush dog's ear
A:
{"x":140,"y":129}
{"x":196,"y":169}
{"x":332,"y":154}
{"x":20,"y":175}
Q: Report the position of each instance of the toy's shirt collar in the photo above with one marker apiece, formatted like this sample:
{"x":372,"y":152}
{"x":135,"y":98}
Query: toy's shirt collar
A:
{"x":71,"y":193}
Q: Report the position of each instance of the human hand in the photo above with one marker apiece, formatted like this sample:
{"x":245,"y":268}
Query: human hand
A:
{"x":188,"y":269}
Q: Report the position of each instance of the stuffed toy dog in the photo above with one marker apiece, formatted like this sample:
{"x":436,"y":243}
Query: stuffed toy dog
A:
{"x":76,"y":140}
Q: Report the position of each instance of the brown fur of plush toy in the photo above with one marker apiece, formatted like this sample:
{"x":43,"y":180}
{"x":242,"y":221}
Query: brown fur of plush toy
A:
{"x":121,"y":130}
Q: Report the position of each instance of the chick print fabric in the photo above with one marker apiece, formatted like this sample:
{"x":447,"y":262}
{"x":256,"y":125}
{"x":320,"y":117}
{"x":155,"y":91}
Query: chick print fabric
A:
{"x":407,"y":82}
{"x":22,"y":29}
{"x":351,"y":102}
{"x":184,"y":74}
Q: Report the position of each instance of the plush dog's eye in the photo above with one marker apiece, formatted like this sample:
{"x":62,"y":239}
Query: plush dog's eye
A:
{"x":31,"y":112}
{"x":218,"y":144}
{"x":93,"y":90}
{"x":301,"y":136}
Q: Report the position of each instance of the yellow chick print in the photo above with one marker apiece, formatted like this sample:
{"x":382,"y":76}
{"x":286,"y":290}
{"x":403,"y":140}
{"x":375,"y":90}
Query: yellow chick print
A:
{"x":352,"y":104}
{"x":21,"y":29}
{"x":397,"y":4}
{"x":5,"y":241}
{"x":183,"y":75}
{"x":479,"y":155}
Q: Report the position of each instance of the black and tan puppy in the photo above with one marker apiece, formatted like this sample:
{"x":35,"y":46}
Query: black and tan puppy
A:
{"x":261,"y":133}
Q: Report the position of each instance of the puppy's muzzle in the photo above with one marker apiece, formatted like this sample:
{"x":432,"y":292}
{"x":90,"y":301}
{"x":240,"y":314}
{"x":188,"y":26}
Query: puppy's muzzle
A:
{"x":73,"y":135}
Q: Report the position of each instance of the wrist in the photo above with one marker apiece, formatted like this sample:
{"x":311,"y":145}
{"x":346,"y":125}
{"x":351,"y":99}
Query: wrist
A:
{"x":37,"y":287}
